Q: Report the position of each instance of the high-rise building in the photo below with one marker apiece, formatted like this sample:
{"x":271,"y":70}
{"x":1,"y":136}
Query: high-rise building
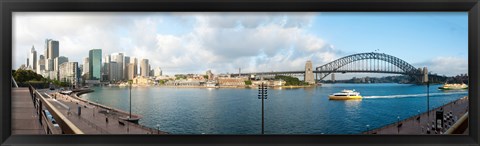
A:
{"x":49,"y":64}
{"x":57,"y":61}
{"x":157,"y":72}
{"x":131,"y":71}
{"x":144,"y":69}
{"x":106,"y":68}
{"x":68,"y":72}
{"x":114,"y":74}
{"x":126,"y":61}
{"x":85,"y":66}
{"x":52,"y":49}
{"x":40,"y":64}
{"x":33,"y":59}
{"x":118,"y":58}
{"x":95,"y":64}
{"x":135,"y":66}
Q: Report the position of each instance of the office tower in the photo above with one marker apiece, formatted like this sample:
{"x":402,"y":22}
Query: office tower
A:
{"x":68,"y":72}
{"x":126,"y":61}
{"x":131,"y":71}
{"x":106,"y":68}
{"x":114,"y":74}
{"x":85,"y":66}
{"x":118,"y":58}
{"x":49,"y":64}
{"x":40,"y":64}
{"x":52,"y":49}
{"x":95,"y":64}
{"x":157,"y":71}
{"x":135,"y":66}
{"x":144,"y":70}
{"x":33,"y":59}
{"x":59,"y":60}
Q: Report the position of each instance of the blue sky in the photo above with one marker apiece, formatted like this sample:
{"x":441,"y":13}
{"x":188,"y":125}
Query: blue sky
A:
{"x":254,"y":41}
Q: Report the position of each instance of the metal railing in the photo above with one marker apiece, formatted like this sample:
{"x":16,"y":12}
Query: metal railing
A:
{"x":39,"y":101}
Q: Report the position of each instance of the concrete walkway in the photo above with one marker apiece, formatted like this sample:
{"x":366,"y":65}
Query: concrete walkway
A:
{"x":418,"y":124}
{"x":24,"y":115}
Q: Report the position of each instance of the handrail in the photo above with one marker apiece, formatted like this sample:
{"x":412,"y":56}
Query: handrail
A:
{"x":455,"y":127}
{"x":68,"y":127}
{"x":14,"y":82}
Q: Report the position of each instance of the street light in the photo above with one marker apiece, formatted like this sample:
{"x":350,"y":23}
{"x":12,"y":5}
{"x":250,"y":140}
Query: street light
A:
{"x":262,"y":94}
{"x":130,"y":115}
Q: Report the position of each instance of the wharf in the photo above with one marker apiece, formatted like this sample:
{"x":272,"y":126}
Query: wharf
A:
{"x":418,"y":123}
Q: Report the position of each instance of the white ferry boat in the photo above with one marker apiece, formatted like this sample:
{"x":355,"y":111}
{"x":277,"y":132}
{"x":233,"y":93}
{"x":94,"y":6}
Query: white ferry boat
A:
{"x":345,"y":95}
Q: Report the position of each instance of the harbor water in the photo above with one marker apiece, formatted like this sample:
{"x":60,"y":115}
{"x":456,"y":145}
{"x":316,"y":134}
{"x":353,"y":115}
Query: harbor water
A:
{"x":287,"y":111}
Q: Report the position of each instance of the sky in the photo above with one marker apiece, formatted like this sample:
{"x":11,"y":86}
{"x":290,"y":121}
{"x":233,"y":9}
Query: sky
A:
{"x":187,"y":42}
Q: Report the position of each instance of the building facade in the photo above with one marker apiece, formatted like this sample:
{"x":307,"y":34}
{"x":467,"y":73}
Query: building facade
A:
{"x":95,"y":64}
{"x":32,"y":62}
{"x":144,"y":68}
{"x":52,"y":48}
{"x":68,"y":72}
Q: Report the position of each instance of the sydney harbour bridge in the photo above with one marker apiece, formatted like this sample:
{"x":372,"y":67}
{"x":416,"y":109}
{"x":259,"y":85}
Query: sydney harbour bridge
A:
{"x":370,"y":62}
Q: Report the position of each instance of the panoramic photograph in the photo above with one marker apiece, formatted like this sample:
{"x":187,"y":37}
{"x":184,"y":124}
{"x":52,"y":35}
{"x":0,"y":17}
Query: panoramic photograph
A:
{"x":240,"y":73}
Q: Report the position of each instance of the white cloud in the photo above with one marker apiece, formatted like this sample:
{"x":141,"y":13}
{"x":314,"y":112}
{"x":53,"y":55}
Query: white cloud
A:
{"x":222,"y":42}
{"x":446,"y":65}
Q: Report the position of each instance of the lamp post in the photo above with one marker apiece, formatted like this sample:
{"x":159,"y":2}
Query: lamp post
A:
{"x":130,"y":114}
{"x":262,"y":94}
{"x":428,"y":101}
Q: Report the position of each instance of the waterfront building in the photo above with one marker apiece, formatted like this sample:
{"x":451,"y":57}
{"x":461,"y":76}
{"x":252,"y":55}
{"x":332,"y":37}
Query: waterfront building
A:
{"x":52,"y":48}
{"x":68,"y":72}
{"x":95,"y":64}
{"x":309,"y":77}
{"x":232,"y":81}
{"x":32,"y":60}
{"x":144,"y":68}
{"x":209,"y":75}
{"x":141,"y":80}
{"x":184,"y":82}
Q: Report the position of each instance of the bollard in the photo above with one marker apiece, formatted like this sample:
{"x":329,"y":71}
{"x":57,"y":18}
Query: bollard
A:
{"x":79,"y":110}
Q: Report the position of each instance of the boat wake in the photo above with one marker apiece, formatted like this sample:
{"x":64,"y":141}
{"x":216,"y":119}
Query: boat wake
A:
{"x":415,"y":95}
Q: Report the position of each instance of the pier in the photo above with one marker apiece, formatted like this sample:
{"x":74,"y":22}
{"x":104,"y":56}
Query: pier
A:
{"x":420,"y":124}
{"x":71,"y":115}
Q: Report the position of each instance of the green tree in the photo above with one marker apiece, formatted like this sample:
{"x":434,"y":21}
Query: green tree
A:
{"x":248,"y":82}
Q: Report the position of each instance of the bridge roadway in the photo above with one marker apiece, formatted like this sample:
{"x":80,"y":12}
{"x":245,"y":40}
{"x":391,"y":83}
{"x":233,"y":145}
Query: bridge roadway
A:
{"x":315,"y":72}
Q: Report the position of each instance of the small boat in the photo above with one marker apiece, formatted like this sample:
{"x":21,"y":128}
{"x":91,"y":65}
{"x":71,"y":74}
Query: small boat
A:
{"x":453,"y":86}
{"x":345,"y":95}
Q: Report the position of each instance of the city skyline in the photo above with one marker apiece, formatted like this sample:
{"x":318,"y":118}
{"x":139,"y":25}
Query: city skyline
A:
{"x":194,"y":43}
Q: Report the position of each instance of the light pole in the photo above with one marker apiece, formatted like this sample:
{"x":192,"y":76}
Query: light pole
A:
{"x":158,"y":128}
{"x":428,"y":101}
{"x":130,"y":114}
{"x":262,"y":94}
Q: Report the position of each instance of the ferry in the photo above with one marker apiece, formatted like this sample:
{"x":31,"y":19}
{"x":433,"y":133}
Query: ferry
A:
{"x":453,"y":86}
{"x":345,"y":95}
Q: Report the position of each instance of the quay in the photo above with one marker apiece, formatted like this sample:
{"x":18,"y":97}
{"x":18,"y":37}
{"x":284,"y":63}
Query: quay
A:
{"x":71,"y":115}
{"x":421,"y":123}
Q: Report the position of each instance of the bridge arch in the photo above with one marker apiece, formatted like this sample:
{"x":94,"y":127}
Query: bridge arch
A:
{"x":402,"y":67}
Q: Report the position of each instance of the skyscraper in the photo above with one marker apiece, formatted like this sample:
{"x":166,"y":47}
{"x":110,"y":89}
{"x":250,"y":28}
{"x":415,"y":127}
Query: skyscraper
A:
{"x":85,"y":67}
{"x":126,"y":61}
{"x":49,"y":64}
{"x":106,"y":68}
{"x":68,"y":72}
{"x":135,"y":66}
{"x":52,"y":49}
{"x":118,"y":58}
{"x":40,"y":64}
{"x":157,"y":71}
{"x":144,"y":69}
{"x":57,"y":62}
{"x":95,"y":64}
{"x":33,"y":59}
{"x":131,"y":71}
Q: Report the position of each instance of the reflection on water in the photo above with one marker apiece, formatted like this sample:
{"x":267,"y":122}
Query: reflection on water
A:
{"x":287,"y":111}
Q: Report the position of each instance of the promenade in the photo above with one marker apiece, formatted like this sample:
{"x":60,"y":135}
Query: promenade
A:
{"x":24,"y":115}
{"x":95,"y":119}
{"x":419,"y":124}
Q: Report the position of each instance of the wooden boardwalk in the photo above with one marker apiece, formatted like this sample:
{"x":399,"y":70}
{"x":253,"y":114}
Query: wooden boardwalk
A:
{"x":418,"y":124}
{"x":24,"y":116}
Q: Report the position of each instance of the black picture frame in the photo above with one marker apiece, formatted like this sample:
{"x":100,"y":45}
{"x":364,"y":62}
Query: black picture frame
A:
{"x":9,"y":6}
